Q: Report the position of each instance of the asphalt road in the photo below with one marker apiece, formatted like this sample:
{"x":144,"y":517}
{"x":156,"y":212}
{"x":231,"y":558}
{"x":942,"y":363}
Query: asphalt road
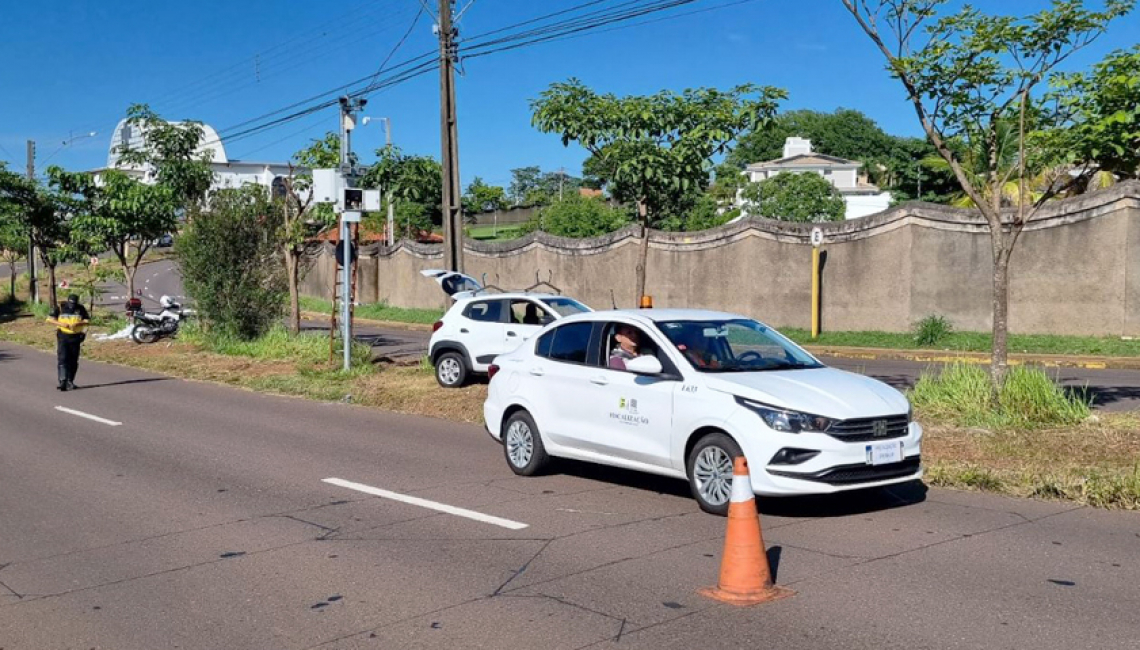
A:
{"x":1110,"y":390}
{"x":197,"y":516}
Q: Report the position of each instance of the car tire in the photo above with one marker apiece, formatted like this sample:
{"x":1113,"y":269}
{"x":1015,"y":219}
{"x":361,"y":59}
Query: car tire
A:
{"x":522,"y":445}
{"x":709,"y":460}
{"x":451,"y":370}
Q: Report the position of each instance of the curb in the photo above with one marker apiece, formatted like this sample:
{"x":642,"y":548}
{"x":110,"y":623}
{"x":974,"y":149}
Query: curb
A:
{"x":981,"y":358}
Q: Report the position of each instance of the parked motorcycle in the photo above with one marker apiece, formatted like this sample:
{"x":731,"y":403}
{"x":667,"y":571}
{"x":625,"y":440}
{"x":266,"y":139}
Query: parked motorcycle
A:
{"x":149,"y":327}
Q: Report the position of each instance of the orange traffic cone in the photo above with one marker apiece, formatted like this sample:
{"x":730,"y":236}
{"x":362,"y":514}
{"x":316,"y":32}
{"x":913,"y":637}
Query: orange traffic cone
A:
{"x":745,"y":578}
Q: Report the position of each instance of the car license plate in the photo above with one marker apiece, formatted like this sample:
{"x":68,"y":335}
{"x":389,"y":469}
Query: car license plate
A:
{"x":884,"y":453}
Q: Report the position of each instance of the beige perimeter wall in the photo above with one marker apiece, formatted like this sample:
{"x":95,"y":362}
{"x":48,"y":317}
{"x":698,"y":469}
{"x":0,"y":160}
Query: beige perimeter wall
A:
{"x":1076,"y":269}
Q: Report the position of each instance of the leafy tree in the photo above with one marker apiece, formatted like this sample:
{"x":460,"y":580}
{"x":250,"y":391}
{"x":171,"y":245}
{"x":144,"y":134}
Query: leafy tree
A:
{"x":795,"y":197}
{"x":118,"y":213}
{"x":846,"y":133}
{"x":1103,"y":107}
{"x":408,"y":179}
{"x":481,"y":197}
{"x":558,"y":185}
{"x":966,"y":74}
{"x":172,"y":153}
{"x":231,"y":262}
{"x":301,"y":218}
{"x":525,"y":187}
{"x":13,"y":242}
{"x":704,"y":211}
{"x":654,"y":147}
{"x":41,"y":213}
{"x":580,"y":216}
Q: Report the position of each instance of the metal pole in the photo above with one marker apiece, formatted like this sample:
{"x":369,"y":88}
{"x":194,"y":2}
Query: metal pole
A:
{"x":815,"y":292}
{"x":346,"y":263}
{"x":33,"y":252}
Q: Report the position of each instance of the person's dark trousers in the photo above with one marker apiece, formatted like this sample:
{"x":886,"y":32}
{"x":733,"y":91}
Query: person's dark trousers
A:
{"x":67,"y":358}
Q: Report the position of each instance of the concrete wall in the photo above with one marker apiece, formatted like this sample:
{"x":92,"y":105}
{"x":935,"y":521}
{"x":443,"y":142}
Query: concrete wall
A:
{"x":1076,"y":269}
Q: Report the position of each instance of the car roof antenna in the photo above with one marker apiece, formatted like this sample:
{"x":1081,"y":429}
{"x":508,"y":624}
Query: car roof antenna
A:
{"x":612,"y":300}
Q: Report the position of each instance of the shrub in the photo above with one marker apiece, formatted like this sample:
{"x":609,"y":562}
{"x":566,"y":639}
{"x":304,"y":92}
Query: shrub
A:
{"x":962,"y":394}
{"x":795,"y":197}
{"x":230,"y":262}
{"x":579,"y":216}
{"x":930,"y":331}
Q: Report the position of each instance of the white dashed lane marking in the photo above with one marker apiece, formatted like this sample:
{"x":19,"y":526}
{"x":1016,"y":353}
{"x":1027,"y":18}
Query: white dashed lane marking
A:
{"x":81,"y":414}
{"x":424,"y":503}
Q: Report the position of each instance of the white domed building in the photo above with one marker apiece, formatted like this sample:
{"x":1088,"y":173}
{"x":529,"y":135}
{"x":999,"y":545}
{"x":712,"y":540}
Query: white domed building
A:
{"x":227,"y":173}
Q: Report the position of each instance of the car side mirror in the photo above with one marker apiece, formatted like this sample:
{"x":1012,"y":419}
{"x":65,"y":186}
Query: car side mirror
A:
{"x":644,"y":365}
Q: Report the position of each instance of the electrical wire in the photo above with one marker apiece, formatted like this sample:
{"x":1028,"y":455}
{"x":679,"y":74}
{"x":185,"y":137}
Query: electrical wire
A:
{"x":403,"y":38}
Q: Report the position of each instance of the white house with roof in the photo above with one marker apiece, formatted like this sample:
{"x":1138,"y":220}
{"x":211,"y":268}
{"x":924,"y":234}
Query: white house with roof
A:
{"x":862,"y":198}
{"x":227,"y":173}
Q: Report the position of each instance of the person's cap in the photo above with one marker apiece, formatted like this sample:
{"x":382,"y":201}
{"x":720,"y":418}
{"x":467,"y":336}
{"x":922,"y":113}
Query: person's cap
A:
{"x":72,"y":298}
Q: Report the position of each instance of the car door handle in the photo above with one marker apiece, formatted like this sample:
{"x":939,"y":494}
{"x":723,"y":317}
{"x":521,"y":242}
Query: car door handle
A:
{"x":537,"y":372}
{"x":511,"y":334}
{"x":601,"y":381}
{"x":463,"y":330}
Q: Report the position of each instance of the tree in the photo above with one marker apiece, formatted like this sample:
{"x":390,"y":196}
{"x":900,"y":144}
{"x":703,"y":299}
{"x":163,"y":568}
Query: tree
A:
{"x":1103,"y":106}
{"x":525,"y":187}
{"x":656,"y":146}
{"x":408,"y":179}
{"x":966,"y":74}
{"x":481,"y":197}
{"x":301,"y":218}
{"x":795,"y":197}
{"x":118,"y":213}
{"x":701,"y":211}
{"x":580,"y":216}
{"x":231,"y":263}
{"x":172,"y":152}
{"x":41,"y":213}
{"x":13,"y":241}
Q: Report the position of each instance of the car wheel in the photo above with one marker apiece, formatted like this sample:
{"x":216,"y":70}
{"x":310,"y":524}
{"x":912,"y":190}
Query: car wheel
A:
{"x":451,"y":370}
{"x":522,"y":445}
{"x":710,"y":472}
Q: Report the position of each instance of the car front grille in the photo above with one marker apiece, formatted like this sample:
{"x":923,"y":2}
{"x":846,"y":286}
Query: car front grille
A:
{"x":855,"y":474}
{"x":869,"y":429}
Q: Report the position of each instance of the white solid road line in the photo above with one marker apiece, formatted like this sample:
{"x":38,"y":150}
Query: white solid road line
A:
{"x":424,"y":503}
{"x":88,"y":416}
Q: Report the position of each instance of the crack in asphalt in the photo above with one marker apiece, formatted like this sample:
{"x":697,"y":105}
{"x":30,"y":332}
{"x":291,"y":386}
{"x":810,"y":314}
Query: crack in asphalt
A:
{"x":521,"y":569}
{"x":15,"y":593}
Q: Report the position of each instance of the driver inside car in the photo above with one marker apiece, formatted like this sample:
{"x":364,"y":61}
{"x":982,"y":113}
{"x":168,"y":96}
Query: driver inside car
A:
{"x":694,"y":345}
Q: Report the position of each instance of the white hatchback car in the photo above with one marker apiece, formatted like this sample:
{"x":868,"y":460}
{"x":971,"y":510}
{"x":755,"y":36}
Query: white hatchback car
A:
{"x":702,"y":388}
{"x":480,"y":327}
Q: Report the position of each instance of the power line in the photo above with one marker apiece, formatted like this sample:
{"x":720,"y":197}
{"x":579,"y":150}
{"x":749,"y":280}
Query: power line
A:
{"x":398,"y":44}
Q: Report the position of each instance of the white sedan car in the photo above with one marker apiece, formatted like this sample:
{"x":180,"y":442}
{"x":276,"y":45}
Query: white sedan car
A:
{"x":694,"y":390}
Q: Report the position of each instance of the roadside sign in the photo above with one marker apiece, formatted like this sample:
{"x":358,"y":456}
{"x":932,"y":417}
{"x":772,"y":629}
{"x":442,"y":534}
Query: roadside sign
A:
{"x":816,"y":236}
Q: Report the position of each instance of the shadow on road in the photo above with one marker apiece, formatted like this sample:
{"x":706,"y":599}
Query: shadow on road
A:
{"x":844,"y":504}
{"x":122,"y":383}
{"x":1104,"y":395}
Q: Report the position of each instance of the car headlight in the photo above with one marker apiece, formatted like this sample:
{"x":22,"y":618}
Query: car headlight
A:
{"x":785,"y":420}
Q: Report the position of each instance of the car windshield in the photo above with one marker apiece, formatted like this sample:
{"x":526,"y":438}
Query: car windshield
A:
{"x":738,"y":345}
{"x":565,"y":306}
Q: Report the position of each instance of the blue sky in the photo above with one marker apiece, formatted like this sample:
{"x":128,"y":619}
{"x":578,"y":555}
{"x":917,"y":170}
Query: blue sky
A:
{"x":71,"y":67}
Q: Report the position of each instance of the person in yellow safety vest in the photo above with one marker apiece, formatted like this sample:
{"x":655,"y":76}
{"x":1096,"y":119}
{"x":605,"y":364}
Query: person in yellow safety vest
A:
{"x":71,"y":320}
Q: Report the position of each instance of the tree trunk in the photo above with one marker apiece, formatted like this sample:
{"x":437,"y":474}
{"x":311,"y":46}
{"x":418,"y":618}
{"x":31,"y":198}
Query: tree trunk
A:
{"x":53,"y":297}
{"x":291,"y":264}
{"x":643,"y":255}
{"x":999,"y":361}
{"x":129,"y":274}
{"x":12,"y":281}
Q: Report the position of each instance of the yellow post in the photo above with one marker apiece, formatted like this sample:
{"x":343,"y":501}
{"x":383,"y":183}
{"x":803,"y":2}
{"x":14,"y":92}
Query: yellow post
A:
{"x":815,"y":292}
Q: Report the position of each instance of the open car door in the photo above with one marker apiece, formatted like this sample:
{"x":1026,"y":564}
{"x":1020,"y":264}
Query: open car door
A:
{"x":456,"y":285}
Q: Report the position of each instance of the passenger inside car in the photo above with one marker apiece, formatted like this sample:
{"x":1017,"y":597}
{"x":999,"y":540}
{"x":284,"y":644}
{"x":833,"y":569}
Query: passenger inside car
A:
{"x":628,"y":342}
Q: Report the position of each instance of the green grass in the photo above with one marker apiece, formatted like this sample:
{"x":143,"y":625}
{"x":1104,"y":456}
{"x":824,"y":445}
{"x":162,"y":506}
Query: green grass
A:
{"x":961,"y":394}
{"x":275,"y":345}
{"x":1100,"y":489}
{"x":377,"y":311}
{"x":489,"y":233}
{"x":1106,"y":346}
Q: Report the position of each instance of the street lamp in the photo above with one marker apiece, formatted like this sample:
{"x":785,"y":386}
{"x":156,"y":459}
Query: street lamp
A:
{"x":71,"y":139}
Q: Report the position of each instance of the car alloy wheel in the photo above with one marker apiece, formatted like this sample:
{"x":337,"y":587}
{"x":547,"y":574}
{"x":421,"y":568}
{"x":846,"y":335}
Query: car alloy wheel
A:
{"x":712,"y":473}
{"x":450,"y":370}
{"x":520,"y":443}
{"x":709,"y":468}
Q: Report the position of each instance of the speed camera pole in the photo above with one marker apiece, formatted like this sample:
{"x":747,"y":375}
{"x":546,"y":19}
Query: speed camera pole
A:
{"x":350,"y":213}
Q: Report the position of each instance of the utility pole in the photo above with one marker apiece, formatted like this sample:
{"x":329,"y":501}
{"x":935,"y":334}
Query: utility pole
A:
{"x":34,"y":289}
{"x":449,"y":142}
{"x":348,"y":109}
{"x":391,"y":208}
{"x":561,"y":175}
